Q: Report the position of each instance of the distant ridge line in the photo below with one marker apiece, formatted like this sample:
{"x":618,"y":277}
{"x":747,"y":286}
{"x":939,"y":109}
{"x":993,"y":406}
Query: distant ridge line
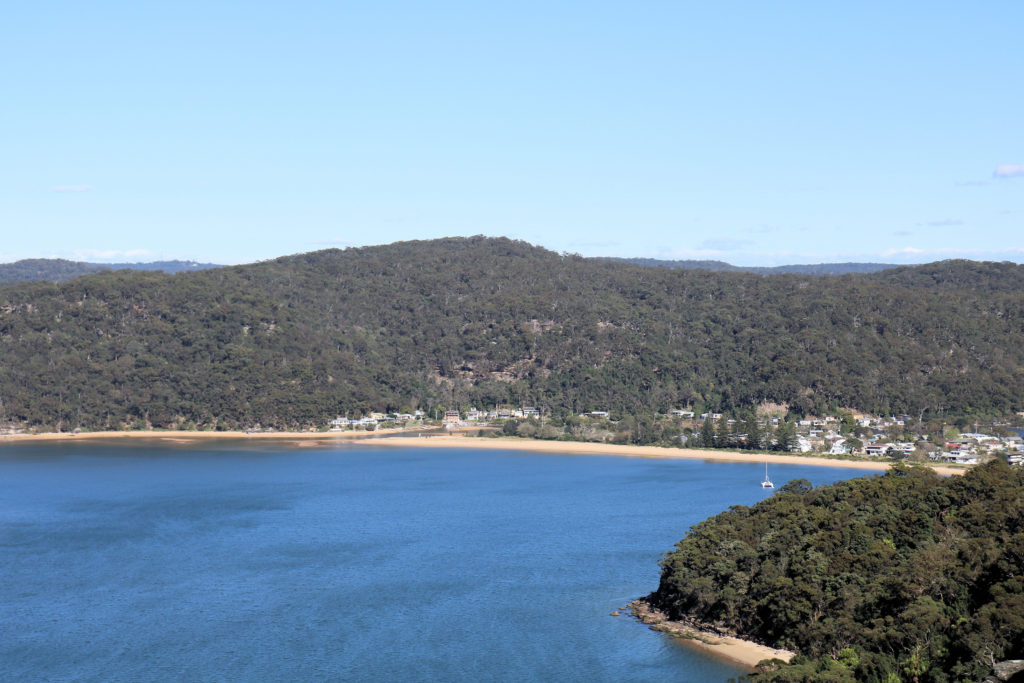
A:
{"x":797,"y":269}
{"x":61,"y":270}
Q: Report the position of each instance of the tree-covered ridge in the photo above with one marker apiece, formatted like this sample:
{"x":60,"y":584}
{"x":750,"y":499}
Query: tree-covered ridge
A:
{"x":905,"y":574}
{"x":958,"y":275}
{"x":480,"y":321}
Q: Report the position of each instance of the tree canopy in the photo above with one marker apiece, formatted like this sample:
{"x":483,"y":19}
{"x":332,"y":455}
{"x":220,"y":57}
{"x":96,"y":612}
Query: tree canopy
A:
{"x":903,"y":576}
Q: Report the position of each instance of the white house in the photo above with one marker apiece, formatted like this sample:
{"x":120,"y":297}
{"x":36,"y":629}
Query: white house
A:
{"x":961,"y":457}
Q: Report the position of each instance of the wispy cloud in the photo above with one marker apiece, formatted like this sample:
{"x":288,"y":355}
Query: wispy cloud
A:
{"x":903,"y":233}
{"x":1009,"y":253}
{"x":943,"y":223}
{"x":903,"y":251}
{"x":72,"y":188}
{"x":1008,"y":171}
{"x":112,"y":255}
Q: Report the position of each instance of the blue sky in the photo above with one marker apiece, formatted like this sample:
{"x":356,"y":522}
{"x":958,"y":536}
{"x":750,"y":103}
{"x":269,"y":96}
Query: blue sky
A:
{"x":751,"y":132}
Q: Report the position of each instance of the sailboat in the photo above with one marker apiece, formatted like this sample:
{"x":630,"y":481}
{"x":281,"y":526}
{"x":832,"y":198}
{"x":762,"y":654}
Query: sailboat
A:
{"x":767,"y":483}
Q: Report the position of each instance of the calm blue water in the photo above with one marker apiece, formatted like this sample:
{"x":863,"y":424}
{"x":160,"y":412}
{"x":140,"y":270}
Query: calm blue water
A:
{"x":241,"y":563}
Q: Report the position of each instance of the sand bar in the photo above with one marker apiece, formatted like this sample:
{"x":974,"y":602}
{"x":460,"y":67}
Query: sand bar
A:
{"x":406,"y":438}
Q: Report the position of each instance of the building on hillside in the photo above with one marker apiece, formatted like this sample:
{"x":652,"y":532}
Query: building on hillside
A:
{"x":451,"y":417}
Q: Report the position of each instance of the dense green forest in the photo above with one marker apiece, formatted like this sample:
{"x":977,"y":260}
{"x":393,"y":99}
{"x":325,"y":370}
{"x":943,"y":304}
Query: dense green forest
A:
{"x":903,"y":576}
{"x":483,"y":321}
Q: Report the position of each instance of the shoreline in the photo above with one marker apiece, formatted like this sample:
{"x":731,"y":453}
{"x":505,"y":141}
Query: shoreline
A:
{"x":745,"y":652}
{"x":175,"y":435}
{"x":658,"y":452}
{"x":461,"y":439}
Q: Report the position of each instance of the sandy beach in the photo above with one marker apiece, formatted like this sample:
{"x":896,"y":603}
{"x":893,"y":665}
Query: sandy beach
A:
{"x":406,"y":438}
{"x":582,"y":448}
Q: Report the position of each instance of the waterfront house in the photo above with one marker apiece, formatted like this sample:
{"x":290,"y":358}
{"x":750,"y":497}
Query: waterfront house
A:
{"x":839,"y":448}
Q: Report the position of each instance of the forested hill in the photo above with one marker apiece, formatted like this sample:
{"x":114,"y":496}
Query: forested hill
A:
{"x":59,"y":270}
{"x":480,"y":321}
{"x":906,"y":576}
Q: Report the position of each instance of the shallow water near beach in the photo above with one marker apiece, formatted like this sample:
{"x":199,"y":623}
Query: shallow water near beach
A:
{"x":240,"y":562}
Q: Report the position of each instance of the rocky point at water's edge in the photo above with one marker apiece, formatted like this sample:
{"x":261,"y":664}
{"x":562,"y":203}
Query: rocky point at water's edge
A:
{"x":707,"y":637}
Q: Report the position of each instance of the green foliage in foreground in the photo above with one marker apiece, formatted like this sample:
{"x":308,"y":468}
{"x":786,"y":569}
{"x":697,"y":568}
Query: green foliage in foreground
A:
{"x":453,"y":323}
{"x":904,"y":576}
